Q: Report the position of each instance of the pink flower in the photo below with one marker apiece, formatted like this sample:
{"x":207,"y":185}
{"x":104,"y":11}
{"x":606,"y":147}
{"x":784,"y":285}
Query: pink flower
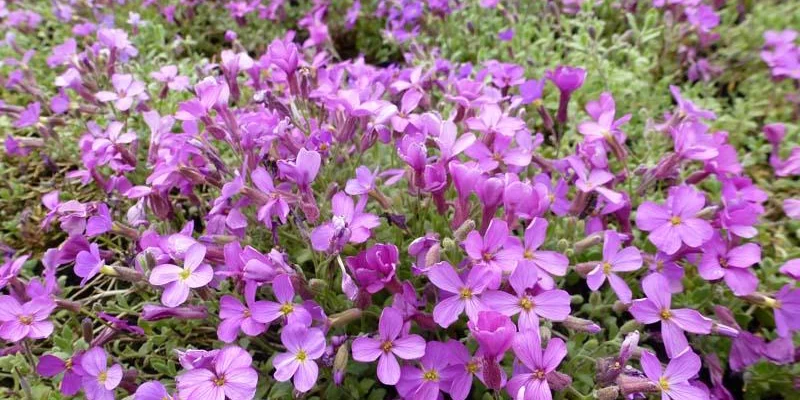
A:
{"x":464,"y":294}
{"x":538,"y":362}
{"x":615,"y":260}
{"x":18,"y":321}
{"x":387,"y":346}
{"x":221,"y":374}
{"x":303,"y":345}
{"x":787,"y":310}
{"x":126,"y":90}
{"x":675,"y":222}
{"x":549,"y":304}
{"x":99,"y":381}
{"x":731,"y":264}
{"x":179,"y":280}
{"x":674,"y":381}
{"x":348,"y":224}
{"x":657,"y":307}
{"x":268,"y":311}
{"x":547,"y":263}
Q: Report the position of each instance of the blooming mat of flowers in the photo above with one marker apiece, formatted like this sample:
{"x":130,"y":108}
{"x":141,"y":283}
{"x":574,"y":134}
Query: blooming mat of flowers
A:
{"x":496,"y":199}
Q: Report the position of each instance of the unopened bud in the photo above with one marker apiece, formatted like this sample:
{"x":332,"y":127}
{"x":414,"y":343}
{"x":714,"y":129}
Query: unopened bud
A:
{"x":108,"y":270}
{"x":128,"y":274}
{"x":461,"y":233}
{"x":581,"y":325}
{"x":340,"y":364}
{"x":558,"y":381}
{"x":343,"y":318}
{"x":708,"y":212}
{"x":633,"y":384}
{"x":620,"y":307}
{"x":576,"y":299}
{"x":584,"y":268}
{"x":607,"y":393}
{"x":317,"y":285}
{"x":545,"y":333}
{"x":562,"y":245}
{"x":591,"y":240}
{"x":595,"y":298}
{"x":433,"y":255}
{"x":448,"y":245}
{"x":630,"y":326}
{"x":86,"y":330}
{"x":724,"y":330}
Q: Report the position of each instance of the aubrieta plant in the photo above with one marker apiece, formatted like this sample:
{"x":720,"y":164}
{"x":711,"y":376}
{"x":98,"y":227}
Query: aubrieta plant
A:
{"x":250,"y":201}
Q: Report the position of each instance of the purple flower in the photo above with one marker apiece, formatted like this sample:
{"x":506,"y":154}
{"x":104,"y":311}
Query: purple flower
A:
{"x":151,"y":390}
{"x":425,"y":382}
{"x":374,"y":268}
{"x":615,"y":260}
{"x":88,"y":263}
{"x":733,"y":265}
{"x":229,"y":375}
{"x":786,"y":306}
{"x":491,"y":122}
{"x":179,"y":280}
{"x":387,"y":346}
{"x":539,"y":363}
{"x":550,"y":304}
{"x":303,"y":345}
{"x":348,"y":224}
{"x":657,"y":307}
{"x":567,"y":80}
{"x":268,"y":311}
{"x":303,"y":170}
{"x":18,"y":321}
{"x":236,"y":316}
{"x":489,"y":250}
{"x":99,"y":381}
{"x":126,"y":90}
{"x":494,"y":333}
{"x":790,"y":268}
{"x":50,"y":366}
{"x":464,"y":294}
{"x":792,"y":208}
{"x":675,"y":222}
{"x":29,"y":116}
{"x":275,"y":204}
{"x":168,"y":75}
{"x":546,"y":263}
{"x":674,"y":381}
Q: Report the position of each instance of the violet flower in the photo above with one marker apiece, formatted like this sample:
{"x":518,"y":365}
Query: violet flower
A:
{"x":547,"y":263}
{"x":427,"y":381}
{"x":615,"y":260}
{"x":18,"y":321}
{"x":152,"y":390}
{"x":675,"y":222}
{"x":348,"y":224}
{"x":303,"y":170}
{"x":567,"y":80}
{"x":494,"y":333}
{"x":464,"y":293}
{"x":786,"y":307}
{"x":168,"y":75}
{"x":268,"y":311}
{"x":126,"y":90}
{"x":389,"y":345}
{"x":230,"y":375}
{"x":236,"y":316}
{"x":304,"y":346}
{"x":539,"y":363}
{"x":674,"y":381}
{"x":657,"y":307}
{"x":490,"y":250}
{"x":374,"y":268}
{"x":99,"y":380}
{"x":50,"y":366}
{"x":731,"y":264}
{"x":549,"y":304}
{"x":178,"y":281}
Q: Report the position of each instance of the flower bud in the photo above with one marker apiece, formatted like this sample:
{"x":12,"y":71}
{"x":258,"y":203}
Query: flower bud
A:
{"x":724,"y":330}
{"x":581,"y":325}
{"x":620,"y":307}
{"x":607,"y":393}
{"x":630,"y":326}
{"x":343,"y":318}
{"x":461,"y":233}
{"x":152,"y":312}
{"x":128,"y":274}
{"x":86,"y":330}
{"x":317,"y":285}
{"x":340,"y":364}
{"x":558,"y":381}
{"x":448,"y":245}
{"x":633,"y":384}
{"x":587,"y":242}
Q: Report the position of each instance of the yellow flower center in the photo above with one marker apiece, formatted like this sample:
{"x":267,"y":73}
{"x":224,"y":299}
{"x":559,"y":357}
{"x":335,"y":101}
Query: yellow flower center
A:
{"x":666,"y":314}
{"x":386,"y":346}
{"x":25,"y":319}
{"x":246,"y":313}
{"x":102,"y":377}
{"x":287,"y":308}
{"x":301,"y":355}
{"x":185,"y":274}
{"x":663,"y":383}
{"x":539,"y":374}
{"x":487,"y":256}
{"x":723,"y":262}
{"x":525,"y":303}
{"x":606,"y":268}
{"x":473,"y":367}
{"x":616,"y":365}
{"x":431,"y":375}
{"x":68,"y":364}
{"x":676,"y":220}
{"x":660,"y":266}
{"x":528,"y":255}
{"x":220,"y":381}
{"x":466,"y":293}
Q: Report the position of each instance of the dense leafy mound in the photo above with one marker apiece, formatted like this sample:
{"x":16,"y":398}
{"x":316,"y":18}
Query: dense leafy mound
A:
{"x":414,"y":199}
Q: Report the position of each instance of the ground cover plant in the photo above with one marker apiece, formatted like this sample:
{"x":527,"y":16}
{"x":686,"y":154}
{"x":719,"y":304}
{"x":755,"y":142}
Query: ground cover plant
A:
{"x":419,"y":199}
